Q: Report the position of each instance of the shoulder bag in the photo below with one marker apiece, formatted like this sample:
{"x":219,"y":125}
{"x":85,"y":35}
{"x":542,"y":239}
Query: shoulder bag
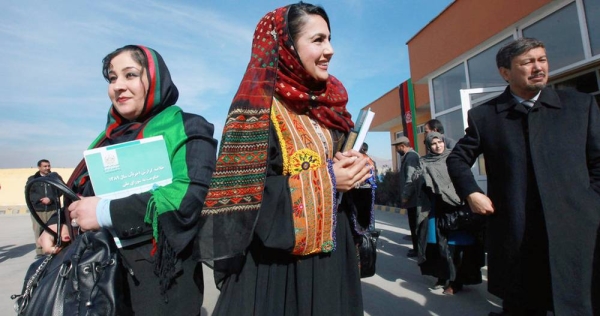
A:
{"x":460,"y":218}
{"x":86,"y":277}
{"x":367,"y":252}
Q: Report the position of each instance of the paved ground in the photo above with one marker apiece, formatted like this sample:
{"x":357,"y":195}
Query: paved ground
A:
{"x":397,"y":289}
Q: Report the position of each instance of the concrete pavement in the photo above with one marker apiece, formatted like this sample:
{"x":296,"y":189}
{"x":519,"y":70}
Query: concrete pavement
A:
{"x":398,"y":288}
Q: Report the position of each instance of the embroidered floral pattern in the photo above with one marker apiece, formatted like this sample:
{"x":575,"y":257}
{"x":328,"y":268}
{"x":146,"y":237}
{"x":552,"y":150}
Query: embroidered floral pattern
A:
{"x":304,"y":159}
{"x":312,"y":191}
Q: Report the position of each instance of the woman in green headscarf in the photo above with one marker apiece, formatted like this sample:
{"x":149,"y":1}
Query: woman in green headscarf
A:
{"x":164,"y":220}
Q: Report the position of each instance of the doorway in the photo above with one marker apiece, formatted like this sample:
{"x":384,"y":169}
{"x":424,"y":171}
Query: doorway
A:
{"x":471,"y":98}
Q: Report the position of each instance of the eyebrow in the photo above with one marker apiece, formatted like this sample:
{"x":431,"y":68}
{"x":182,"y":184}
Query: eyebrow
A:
{"x":321,"y":35}
{"x":124,"y":69}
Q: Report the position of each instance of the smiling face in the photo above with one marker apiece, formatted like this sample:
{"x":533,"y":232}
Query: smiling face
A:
{"x":437,"y":146}
{"x":528,"y":73}
{"x":44,"y":168}
{"x":314,"y":47}
{"x":127,"y":86}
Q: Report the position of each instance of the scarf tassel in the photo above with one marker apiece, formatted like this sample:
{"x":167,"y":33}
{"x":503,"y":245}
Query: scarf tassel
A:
{"x":166,"y":264}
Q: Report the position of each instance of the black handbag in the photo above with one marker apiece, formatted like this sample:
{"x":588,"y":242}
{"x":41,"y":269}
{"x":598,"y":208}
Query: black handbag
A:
{"x":367,"y":252}
{"x":460,"y":218}
{"x":86,"y":277}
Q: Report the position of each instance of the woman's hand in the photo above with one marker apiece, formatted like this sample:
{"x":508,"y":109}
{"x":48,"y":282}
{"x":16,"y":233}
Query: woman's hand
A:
{"x":350,"y":153}
{"x":47,"y":241}
{"x":351,"y":168}
{"x":83,"y":213}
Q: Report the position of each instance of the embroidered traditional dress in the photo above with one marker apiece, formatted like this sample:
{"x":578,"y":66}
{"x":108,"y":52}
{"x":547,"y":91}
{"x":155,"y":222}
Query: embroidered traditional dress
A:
{"x":167,"y":215}
{"x":272,"y":210}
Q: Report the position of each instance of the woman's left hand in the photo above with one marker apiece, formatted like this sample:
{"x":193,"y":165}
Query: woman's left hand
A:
{"x":83,"y":213}
{"x":351,"y":169}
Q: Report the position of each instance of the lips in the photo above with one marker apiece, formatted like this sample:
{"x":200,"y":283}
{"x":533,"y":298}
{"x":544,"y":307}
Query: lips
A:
{"x":122,"y":99}
{"x":323,"y":65}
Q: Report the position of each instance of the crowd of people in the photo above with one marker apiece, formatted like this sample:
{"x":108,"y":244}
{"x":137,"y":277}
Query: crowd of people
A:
{"x":277,"y":210}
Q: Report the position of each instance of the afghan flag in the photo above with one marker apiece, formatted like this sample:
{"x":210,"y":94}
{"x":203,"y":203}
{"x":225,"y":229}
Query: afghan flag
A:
{"x":407,"y":108}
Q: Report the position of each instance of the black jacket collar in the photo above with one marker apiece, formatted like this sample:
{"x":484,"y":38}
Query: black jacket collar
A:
{"x":506,"y":101}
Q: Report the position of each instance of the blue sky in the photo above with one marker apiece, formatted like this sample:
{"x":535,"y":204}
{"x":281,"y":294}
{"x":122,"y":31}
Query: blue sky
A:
{"x":54,"y":98}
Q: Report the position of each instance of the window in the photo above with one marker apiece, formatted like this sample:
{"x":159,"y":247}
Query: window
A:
{"x":592,"y":15}
{"x":453,"y":124}
{"x":587,"y":83}
{"x":483,"y":71}
{"x":561,"y":35}
{"x":446,"y":88}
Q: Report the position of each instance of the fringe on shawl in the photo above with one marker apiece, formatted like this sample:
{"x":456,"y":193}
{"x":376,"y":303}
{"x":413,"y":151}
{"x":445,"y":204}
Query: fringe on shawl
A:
{"x":166,"y":264}
{"x":166,"y":260}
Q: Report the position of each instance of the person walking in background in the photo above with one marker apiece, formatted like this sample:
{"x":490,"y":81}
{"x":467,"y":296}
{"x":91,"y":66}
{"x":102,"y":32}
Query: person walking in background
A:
{"x":542,"y":159}
{"x":164,"y":220}
{"x":456,"y":256}
{"x":273,"y":212}
{"x":45,"y":200}
{"x":434,"y":125}
{"x":408,"y":191}
{"x":364,"y":148}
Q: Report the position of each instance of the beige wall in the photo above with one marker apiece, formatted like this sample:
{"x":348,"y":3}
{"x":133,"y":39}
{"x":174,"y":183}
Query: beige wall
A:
{"x":13,"y":184}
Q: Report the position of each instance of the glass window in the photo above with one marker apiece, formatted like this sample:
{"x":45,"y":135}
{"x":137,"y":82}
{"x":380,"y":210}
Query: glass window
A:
{"x":587,"y":83}
{"x":479,"y":98}
{"x":483,"y":71}
{"x":592,"y":15}
{"x":453,"y":124}
{"x":561,"y":34}
{"x":446,"y":88}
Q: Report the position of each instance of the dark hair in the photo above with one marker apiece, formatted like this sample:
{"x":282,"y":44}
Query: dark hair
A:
{"x":515,"y":48}
{"x":435,"y":125}
{"x":296,"y":13}
{"x":41,"y":161}
{"x":364,"y":148}
{"x":136,"y":53}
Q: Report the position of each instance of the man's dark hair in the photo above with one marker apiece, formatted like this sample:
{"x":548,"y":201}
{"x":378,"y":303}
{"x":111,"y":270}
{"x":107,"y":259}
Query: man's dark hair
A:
{"x":41,"y":161}
{"x":515,"y":48}
{"x":364,"y":148}
{"x":435,"y":125}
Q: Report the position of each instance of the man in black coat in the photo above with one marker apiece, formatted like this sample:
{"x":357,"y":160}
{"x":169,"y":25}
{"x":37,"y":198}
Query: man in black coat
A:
{"x":543,"y":174}
{"x":44,"y":198}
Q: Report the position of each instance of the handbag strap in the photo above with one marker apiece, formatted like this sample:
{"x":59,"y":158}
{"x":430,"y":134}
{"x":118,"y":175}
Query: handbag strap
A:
{"x":23,"y":299}
{"x":53,"y":180}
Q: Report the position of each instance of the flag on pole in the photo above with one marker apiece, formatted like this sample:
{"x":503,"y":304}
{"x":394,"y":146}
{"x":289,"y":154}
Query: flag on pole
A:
{"x":407,"y":109}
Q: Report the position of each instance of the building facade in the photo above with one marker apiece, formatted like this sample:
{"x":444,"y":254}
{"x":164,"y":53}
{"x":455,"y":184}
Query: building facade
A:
{"x":453,"y":65}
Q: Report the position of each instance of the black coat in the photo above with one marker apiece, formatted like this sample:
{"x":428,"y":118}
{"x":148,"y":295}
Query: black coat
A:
{"x":41,"y":190}
{"x":543,"y":165}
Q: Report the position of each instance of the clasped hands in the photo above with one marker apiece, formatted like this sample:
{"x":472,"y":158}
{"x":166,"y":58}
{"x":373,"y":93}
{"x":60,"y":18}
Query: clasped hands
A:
{"x":351,"y":168}
{"x":82,"y":214}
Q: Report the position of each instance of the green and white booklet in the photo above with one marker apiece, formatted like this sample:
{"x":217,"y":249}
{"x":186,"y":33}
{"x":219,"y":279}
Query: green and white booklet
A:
{"x":124,"y":169}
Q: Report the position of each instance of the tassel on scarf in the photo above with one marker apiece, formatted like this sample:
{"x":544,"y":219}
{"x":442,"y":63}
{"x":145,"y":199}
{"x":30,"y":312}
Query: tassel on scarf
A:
{"x":166,"y":266}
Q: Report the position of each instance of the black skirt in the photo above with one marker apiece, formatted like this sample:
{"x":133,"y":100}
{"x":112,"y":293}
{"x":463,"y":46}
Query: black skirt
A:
{"x":273,"y":282}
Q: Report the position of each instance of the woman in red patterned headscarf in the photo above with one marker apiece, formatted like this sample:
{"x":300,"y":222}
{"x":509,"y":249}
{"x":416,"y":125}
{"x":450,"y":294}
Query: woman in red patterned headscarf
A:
{"x":273,"y":213}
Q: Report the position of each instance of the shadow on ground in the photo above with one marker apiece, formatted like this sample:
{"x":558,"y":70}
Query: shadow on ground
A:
{"x":12,"y":251}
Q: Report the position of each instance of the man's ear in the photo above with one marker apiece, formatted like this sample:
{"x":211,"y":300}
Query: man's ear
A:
{"x":505,"y":73}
